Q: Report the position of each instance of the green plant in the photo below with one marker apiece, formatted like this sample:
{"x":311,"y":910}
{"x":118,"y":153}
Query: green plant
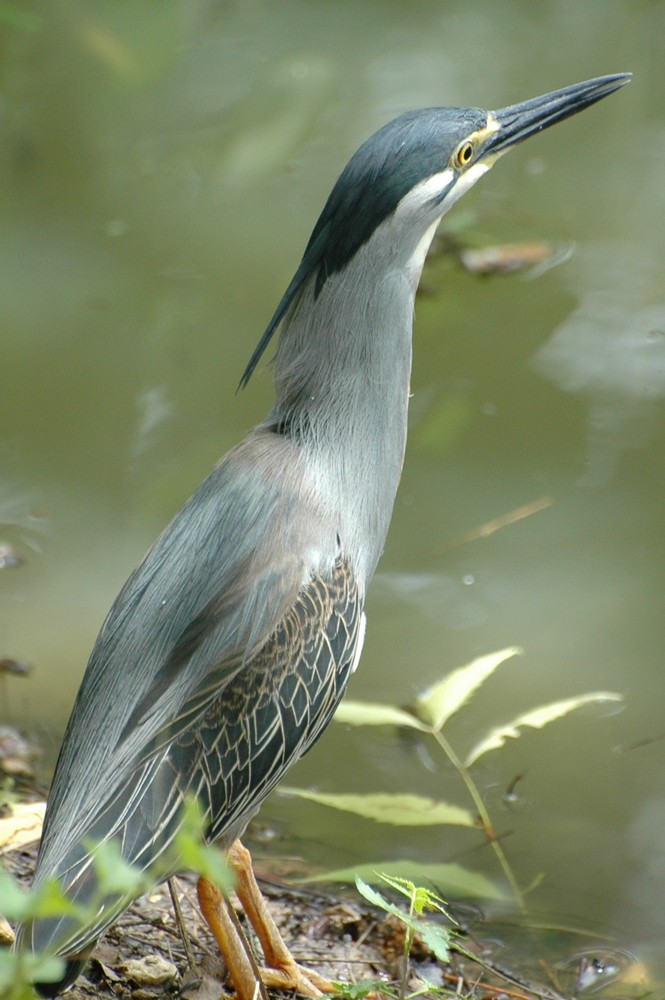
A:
{"x":115,"y":878}
{"x":435,"y":936}
{"x":430,"y":715}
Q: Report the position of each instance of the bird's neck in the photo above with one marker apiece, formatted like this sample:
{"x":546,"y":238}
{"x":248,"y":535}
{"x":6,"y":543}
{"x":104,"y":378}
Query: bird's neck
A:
{"x":342,"y":374}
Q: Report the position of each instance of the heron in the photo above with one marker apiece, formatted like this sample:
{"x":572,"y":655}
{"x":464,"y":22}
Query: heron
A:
{"x":227,"y":651}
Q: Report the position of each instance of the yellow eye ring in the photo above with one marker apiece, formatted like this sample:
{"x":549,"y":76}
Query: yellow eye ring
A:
{"x":463,"y":154}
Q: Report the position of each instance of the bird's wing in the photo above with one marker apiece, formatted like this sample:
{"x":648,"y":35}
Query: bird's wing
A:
{"x":203,"y":601}
{"x":230,"y":757}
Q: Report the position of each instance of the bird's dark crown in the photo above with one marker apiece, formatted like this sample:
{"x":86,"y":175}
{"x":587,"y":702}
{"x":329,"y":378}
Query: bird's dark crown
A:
{"x":387,"y":166}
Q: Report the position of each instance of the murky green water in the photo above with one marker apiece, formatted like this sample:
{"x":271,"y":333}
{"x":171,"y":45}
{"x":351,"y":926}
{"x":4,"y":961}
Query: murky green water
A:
{"x":161,"y":167}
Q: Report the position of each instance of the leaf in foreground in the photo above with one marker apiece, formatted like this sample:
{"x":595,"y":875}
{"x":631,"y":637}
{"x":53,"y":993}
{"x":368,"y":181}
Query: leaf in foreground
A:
{"x":398,"y":810}
{"x":536,"y":718}
{"x":374,"y":897}
{"x":16,"y":901}
{"x":420,"y":898}
{"x":17,"y":968}
{"x":436,"y":936}
{"x":193,"y":852}
{"x":440,"y":701}
{"x":115,"y":875}
{"x":20,"y":904}
{"x":358,"y":990}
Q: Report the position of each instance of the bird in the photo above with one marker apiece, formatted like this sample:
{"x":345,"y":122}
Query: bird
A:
{"x":229,"y":648}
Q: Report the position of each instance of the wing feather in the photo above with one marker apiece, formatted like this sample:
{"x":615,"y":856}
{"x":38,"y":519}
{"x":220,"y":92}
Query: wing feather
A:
{"x":209,"y":593}
{"x":267,"y":715}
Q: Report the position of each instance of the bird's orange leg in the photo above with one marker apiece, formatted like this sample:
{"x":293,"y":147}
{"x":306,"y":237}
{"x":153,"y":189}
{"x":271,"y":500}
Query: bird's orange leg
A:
{"x":234,"y":947}
{"x":282,"y":970}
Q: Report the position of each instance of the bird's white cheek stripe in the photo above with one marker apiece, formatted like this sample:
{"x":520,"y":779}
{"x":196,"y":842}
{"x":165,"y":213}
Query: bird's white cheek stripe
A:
{"x":432,"y":186}
{"x":464,"y":182}
{"x":418,"y":257}
{"x":429,"y":189}
{"x":459,"y":184}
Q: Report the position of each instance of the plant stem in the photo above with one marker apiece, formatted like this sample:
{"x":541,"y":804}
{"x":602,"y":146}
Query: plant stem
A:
{"x":484,"y":816}
{"x":408,"y":941}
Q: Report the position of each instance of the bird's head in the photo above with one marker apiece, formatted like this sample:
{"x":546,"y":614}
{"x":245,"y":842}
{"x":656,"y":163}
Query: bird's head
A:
{"x":414,"y":169}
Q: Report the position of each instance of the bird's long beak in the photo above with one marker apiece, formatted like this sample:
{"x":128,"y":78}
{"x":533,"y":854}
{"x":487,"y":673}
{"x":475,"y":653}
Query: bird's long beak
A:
{"x":519,"y":121}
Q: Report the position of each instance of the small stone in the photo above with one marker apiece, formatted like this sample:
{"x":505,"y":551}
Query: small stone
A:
{"x":150,"y":971}
{"x":6,"y":933}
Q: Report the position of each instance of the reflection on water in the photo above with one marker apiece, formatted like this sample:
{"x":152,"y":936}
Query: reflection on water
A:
{"x":161,"y":168}
{"x":455,"y":603}
{"x":644,"y":862}
{"x":610,"y":351}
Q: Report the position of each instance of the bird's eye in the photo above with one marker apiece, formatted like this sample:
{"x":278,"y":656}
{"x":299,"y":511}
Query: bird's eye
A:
{"x":463,"y":154}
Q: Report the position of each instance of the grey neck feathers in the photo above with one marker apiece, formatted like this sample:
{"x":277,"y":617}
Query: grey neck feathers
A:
{"x":342,"y":374}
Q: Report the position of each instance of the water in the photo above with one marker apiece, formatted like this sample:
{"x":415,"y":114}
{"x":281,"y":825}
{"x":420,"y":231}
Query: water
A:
{"x":162,"y":167}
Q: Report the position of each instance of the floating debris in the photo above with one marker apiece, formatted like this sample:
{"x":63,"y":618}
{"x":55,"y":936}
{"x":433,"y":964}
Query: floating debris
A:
{"x":16,"y":667}
{"x":9,"y":557}
{"x":505,"y":258}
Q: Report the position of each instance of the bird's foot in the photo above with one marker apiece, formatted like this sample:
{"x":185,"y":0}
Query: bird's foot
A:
{"x":305,"y":982}
{"x":281,"y":970}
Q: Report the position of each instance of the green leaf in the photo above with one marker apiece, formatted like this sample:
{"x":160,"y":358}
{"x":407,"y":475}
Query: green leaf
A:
{"x":16,"y":903}
{"x":425,"y":899}
{"x":361,"y":713}
{"x":403,"y":885}
{"x":436,"y":937}
{"x":208,"y":862}
{"x":193,"y":852}
{"x":420,"y":898}
{"x":536,"y":718}
{"x":17,"y":968}
{"x":439,"y":702}
{"x":356,"y":991}
{"x":115,"y":876}
{"x":398,"y":810}
{"x":374,"y":897}
{"x":451,"y":880}
{"x":48,"y":901}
